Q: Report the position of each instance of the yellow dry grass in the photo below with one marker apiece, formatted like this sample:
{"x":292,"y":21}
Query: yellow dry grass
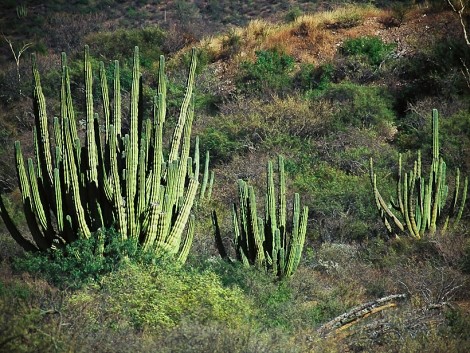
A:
{"x":309,"y":39}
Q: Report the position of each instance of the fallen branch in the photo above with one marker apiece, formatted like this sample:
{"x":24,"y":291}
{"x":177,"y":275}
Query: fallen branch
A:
{"x":349,"y":318}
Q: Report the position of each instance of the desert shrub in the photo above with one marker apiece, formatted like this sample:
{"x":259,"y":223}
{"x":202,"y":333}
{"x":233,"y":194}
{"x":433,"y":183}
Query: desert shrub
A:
{"x":65,"y":31}
{"x":29,"y":319}
{"x":314,"y":80}
{"x":465,"y":260}
{"x":79,"y":263}
{"x":340,"y":202}
{"x":274,"y":121}
{"x":152,"y":298}
{"x":221,"y":144}
{"x":204,"y":57}
{"x":360,"y":106}
{"x":119,"y":45}
{"x":190,"y":337}
{"x":270,"y":72}
{"x":231,"y":44}
{"x":372,"y":49}
{"x":293,"y":13}
{"x":275,"y":299}
{"x":453,"y":138}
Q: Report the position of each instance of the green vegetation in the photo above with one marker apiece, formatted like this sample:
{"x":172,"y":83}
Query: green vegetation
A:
{"x":83,"y":261}
{"x":270,"y":72}
{"x":372,"y":49}
{"x":319,"y":83}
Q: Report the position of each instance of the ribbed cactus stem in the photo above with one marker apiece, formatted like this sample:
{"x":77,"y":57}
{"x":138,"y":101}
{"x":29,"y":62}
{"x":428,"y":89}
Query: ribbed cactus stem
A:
{"x":117,"y":99}
{"x":41,"y":123}
{"x":105,"y":101}
{"x":271,"y":198}
{"x":184,"y":252}
{"x":205,"y":178}
{"x":176,"y":140}
{"x":282,"y":209}
{"x":116,"y":184}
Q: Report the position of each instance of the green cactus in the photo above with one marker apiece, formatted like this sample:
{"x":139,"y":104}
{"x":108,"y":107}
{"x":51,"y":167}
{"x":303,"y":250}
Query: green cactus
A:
{"x":421,"y":199}
{"x":21,"y":11}
{"x":110,"y":181}
{"x":268,"y":243}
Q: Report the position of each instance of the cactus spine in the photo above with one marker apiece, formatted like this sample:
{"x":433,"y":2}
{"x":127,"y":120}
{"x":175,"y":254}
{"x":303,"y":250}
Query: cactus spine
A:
{"x":125,"y":183}
{"x":267,"y":243}
{"x":421,"y":199}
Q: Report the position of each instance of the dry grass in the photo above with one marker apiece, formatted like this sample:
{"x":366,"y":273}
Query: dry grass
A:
{"x":311,"y":38}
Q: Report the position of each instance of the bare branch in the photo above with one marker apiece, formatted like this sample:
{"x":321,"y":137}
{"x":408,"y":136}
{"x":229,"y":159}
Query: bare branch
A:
{"x":459,"y":12}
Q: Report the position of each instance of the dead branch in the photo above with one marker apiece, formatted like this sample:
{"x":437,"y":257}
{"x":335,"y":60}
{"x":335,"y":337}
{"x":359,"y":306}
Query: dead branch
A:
{"x":349,"y":318}
{"x":459,"y":12}
{"x":17,"y":57}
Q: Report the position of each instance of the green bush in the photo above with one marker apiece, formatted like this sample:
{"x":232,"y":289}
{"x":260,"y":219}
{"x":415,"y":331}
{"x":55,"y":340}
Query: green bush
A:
{"x":313,"y":80}
{"x":361,"y":106}
{"x":221,"y":144}
{"x":78,"y":263}
{"x":152,"y":298}
{"x":371,"y":48}
{"x":26,"y":322}
{"x":293,"y":13}
{"x":119,"y":45}
{"x":270,"y":72}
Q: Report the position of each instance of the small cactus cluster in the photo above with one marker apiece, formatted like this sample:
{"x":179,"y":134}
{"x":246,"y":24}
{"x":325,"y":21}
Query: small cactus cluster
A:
{"x":73,"y":189}
{"x":21,"y":11}
{"x":420,"y":207}
{"x":269,"y":243}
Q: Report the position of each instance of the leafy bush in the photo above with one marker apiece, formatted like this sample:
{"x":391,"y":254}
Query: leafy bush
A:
{"x":371,"y":48}
{"x":293,"y":13}
{"x":361,"y":106}
{"x":119,"y":45}
{"x":78,"y":263}
{"x":157,"y":297}
{"x":314,"y":81}
{"x":26,"y":319}
{"x":254,"y":122}
{"x":221,"y":144}
{"x":270,"y":72}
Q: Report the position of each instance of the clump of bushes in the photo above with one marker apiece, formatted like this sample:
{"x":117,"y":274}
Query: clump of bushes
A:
{"x":119,"y":45}
{"x":361,"y":106}
{"x":156,"y":297}
{"x":371,"y":48}
{"x":79,"y":262}
{"x":270,"y":72}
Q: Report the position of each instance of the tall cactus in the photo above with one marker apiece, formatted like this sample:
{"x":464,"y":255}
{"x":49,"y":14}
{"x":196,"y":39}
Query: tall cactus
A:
{"x":75,"y":189}
{"x":421,"y":198}
{"x":270,"y":242}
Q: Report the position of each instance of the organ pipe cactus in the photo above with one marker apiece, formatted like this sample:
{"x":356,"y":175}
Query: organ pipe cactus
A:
{"x":420,"y":207}
{"x":271,"y":242}
{"x":72,"y":189}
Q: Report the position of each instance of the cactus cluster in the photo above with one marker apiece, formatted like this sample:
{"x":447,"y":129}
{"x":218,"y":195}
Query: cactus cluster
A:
{"x":21,"y":11}
{"x":72,"y":189}
{"x":271,"y":242}
{"x":420,"y":206}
